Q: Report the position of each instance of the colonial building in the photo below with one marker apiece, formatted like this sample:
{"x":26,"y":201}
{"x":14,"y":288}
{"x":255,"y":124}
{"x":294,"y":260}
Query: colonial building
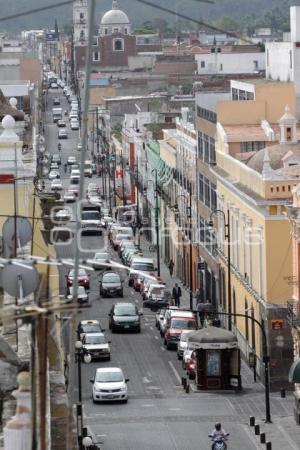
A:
{"x":257,"y":155}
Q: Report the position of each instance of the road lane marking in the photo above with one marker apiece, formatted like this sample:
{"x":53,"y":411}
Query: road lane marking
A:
{"x":175,"y":371}
{"x":162,"y":348}
{"x":151,"y":328}
{"x":136,"y":301}
{"x":156,"y":337}
{"x":146,"y":380}
{"x":174,"y":409}
{"x":148,"y":406}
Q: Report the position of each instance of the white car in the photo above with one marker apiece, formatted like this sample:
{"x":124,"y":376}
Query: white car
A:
{"x":100,"y":260}
{"x":159,"y":317}
{"x":69,"y":197}
{"x":53,"y":174}
{"x":75,"y":174}
{"x":109,"y":384}
{"x":79,"y":146}
{"x":73,"y":115}
{"x":62,"y":216}
{"x":182,"y":344}
{"x":186,"y":356}
{"x":56,"y":185}
{"x":71,"y":160}
{"x":74,"y":124}
{"x":96,"y":345}
{"x":54,"y":86}
{"x":82,"y":295}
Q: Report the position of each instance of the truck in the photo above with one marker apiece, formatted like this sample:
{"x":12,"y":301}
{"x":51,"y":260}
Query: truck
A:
{"x":57,"y":114}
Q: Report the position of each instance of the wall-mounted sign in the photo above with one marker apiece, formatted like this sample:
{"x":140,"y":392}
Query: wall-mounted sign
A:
{"x":277,"y":324}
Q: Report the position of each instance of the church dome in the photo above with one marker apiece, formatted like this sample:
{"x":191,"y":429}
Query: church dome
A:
{"x":115,"y":16}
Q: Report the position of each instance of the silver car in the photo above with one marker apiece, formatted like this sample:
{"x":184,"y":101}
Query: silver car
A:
{"x":182,"y":344}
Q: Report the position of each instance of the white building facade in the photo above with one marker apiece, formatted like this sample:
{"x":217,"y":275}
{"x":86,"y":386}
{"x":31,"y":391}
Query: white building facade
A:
{"x":219,"y":63}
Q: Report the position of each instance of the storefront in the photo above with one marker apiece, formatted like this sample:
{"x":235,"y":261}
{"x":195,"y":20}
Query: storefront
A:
{"x":218,"y":361}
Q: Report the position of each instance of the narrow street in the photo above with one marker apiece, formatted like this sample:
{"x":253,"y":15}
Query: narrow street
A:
{"x":159,"y":414}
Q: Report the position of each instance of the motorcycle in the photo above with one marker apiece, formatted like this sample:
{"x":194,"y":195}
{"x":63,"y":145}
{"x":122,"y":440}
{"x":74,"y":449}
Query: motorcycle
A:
{"x":219,"y":442}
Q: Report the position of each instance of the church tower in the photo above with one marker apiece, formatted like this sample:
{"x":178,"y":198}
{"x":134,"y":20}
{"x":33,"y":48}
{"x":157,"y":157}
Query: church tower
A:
{"x":80,"y":22}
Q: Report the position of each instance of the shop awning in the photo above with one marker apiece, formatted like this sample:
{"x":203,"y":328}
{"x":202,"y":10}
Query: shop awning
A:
{"x":212,"y":338}
{"x":294,"y":373}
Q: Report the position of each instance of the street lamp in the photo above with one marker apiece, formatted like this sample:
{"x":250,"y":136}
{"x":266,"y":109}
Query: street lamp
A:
{"x":81,"y":355}
{"x":227,"y":237}
{"x":189,"y":216}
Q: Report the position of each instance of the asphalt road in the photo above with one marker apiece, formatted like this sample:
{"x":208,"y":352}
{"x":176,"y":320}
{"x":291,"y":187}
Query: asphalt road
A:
{"x":159,"y":414}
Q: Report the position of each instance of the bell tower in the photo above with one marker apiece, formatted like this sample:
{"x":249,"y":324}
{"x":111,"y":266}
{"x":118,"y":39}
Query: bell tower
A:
{"x":80,"y":22}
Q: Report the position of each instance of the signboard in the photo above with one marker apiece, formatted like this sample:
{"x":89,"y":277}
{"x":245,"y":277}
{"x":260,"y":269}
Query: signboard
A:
{"x":6,"y":178}
{"x":51,"y":36}
{"x":201,"y":265}
{"x":277,"y":324}
{"x":234,"y":382}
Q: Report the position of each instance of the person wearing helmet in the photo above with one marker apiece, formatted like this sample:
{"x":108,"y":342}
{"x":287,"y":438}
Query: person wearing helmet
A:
{"x":217,"y":433}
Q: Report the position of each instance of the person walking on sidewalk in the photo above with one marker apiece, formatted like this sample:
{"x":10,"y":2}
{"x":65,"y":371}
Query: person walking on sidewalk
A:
{"x":176,"y":294}
{"x":171,"y":267}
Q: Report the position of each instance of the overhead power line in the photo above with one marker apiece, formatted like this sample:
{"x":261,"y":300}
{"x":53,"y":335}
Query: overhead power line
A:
{"x":36,"y":10}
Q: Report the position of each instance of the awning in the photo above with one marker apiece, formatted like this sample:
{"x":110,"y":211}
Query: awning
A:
{"x":212,"y":338}
{"x":294,"y":373}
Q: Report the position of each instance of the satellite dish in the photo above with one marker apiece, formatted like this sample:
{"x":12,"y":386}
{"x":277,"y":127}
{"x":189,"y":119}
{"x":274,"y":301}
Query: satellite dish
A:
{"x":20,"y":281}
{"x":24,"y":231}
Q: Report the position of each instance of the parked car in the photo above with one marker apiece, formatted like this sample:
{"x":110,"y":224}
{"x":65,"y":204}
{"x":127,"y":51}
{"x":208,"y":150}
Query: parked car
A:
{"x":138,"y":267}
{"x":61,"y":123}
{"x":54,"y":166}
{"x":69,"y":197}
{"x":71,"y":160}
{"x":125,"y":316}
{"x":56,"y":185}
{"x":82,"y":295}
{"x":182,"y":344}
{"x":159,"y":316}
{"x":53,"y":86}
{"x":83,"y":278}
{"x":56,"y":101}
{"x":109,"y":384}
{"x":88,"y":326}
{"x":100,"y":260}
{"x":74,"y":124}
{"x":118,"y":238}
{"x":62,"y":134}
{"x":158,"y":296}
{"x":125,"y":244}
{"x":190,"y":366}
{"x":96,"y":345}
{"x":74,"y":188}
{"x":53,"y":174}
{"x":176,"y":326}
{"x":111,"y":284}
{"x":56,"y":158}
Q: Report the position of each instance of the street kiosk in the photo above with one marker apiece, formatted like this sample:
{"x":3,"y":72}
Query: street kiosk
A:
{"x":218,"y":360}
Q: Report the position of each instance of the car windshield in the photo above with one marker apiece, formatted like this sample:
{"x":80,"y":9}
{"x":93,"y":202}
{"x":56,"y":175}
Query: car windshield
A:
{"x":75,"y":180}
{"x":144,"y":267}
{"x":101,"y":256}
{"x":109,"y":377}
{"x":91,"y":328}
{"x":120,"y":237}
{"x":90,"y":215}
{"x":128,"y":245}
{"x":125,"y":310}
{"x":111,"y":278}
{"x":157,"y":291}
{"x":183,"y":324}
{"x":92,"y":340}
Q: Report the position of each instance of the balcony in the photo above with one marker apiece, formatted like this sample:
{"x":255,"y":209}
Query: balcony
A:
{"x":293,"y":314}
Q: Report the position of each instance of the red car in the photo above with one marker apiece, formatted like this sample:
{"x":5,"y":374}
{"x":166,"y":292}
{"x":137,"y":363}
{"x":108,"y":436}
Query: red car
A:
{"x":175,"y":328}
{"x":83,"y":278}
{"x":191,"y":366}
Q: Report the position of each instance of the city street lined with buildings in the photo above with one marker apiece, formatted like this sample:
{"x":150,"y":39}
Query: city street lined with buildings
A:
{"x":149,"y":232}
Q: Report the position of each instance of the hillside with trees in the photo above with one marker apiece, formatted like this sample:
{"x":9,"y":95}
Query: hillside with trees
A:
{"x":225,"y":14}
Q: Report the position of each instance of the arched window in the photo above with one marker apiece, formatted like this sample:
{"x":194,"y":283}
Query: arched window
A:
{"x":105,"y":30}
{"x":82,"y":35}
{"x":118,"y":45}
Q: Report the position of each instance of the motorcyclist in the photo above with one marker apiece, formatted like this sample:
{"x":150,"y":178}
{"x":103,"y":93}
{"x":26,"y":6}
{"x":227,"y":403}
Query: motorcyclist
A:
{"x":218,"y":432}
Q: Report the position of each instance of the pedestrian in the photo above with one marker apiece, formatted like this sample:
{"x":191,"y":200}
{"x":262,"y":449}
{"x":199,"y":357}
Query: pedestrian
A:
{"x":171,"y":267}
{"x":176,"y":294}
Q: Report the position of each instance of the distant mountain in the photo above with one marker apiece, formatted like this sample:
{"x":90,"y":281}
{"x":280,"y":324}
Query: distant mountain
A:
{"x":243,"y":12}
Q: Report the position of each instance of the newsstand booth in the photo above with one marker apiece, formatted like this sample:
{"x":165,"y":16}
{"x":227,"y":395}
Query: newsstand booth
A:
{"x":218,"y":359}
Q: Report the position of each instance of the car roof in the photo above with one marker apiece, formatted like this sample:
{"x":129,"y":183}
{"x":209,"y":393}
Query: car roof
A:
{"x":124,"y":304}
{"x":182,"y":314}
{"x":141,"y":259}
{"x":109,"y":369}
{"x":157,"y":286}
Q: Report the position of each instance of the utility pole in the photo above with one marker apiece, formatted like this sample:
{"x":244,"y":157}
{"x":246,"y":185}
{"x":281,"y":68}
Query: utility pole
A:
{"x":227,"y":236}
{"x":191,"y":248}
{"x":123,"y":185}
{"x":157,"y":224}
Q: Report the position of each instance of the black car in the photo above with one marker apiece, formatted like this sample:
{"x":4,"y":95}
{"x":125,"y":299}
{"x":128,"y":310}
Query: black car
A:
{"x":111,"y":284}
{"x":125,"y":316}
{"x":56,"y":101}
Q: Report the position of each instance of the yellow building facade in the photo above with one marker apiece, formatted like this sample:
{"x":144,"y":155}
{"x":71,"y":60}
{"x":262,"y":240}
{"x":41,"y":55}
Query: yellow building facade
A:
{"x":257,"y":159}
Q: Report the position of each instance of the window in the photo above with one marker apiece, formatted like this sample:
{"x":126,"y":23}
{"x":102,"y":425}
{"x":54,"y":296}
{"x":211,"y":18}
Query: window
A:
{"x":201,"y":188}
{"x":96,"y":56}
{"x":81,"y":15}
{"x":118,"y":45}
{"x":105,"y":30}
{"x":200,"y":145}
{"x":251,"y":146}
{"x":206,"y":114}
{"x":202,"y":64}
{"x":288,"y":134}
{"x":116,"y":30}
{"x":246,"y":321}
{"x":125,"y":30}
{"x":234,"y":94}
{"x":82,"y":35}
{"x":255,"y":65}
{"x":221,"y":67}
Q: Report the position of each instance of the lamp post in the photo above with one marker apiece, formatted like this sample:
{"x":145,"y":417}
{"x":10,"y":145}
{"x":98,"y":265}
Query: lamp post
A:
{"x":189,"y":216}
{"x":81,"y":355}
{"x":156,"y":222}
{"x":227,"y":237}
